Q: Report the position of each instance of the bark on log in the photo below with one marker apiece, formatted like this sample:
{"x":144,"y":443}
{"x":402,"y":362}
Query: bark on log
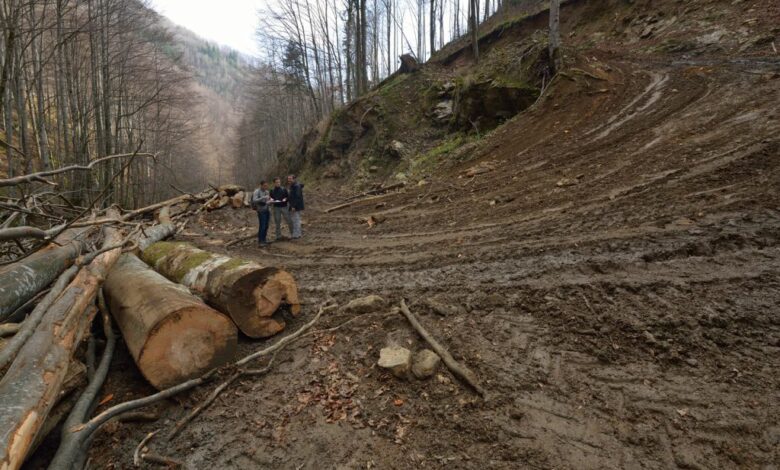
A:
{"x":172,"y":335}
{"x":21,"y":281}
{"x":31,"y":386}
{"x":248,"y":292}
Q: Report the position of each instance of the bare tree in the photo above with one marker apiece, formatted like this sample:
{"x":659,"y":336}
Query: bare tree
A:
{"x":555,"y":35}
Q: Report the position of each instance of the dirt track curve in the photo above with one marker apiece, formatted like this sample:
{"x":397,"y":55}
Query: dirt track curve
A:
{"x":619,"y":297}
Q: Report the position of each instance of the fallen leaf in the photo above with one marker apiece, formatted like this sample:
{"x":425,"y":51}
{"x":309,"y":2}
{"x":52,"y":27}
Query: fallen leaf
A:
{"x":106,"y":399}
{"x":398,"y":402}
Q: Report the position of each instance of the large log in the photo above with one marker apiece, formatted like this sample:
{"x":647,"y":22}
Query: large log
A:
{"x":23,"y":280}
{"x":172,"y":335}
{"x":248,"y":292}
{"x":32,"y":384}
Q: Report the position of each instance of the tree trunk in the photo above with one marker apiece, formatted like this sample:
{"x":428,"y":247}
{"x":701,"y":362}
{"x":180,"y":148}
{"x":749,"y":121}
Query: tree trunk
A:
{"x":32,"y":384}
{"x":474,"y":28}
{"x":555,"y":35}
{"x":246,"y":291}
{"x":172,"y":335}
{"x":21,"y":281}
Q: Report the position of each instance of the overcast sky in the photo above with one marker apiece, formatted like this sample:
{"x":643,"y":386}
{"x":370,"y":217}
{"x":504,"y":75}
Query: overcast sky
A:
{"x":228,"y":22}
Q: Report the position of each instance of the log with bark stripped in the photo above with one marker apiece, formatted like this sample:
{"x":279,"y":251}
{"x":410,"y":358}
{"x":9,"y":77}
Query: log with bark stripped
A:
{"x":172,"y":335}
{"x":248,"y":292}
{"x":32,"y":384}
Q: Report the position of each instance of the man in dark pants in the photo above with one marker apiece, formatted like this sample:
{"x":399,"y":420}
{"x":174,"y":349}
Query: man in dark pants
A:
{"x":280,"y":209}
{"x":260,"y":200}
{"x":295,"y":199}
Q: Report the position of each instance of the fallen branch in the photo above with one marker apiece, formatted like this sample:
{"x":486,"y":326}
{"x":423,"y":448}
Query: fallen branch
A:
{"x":69,"y":451}
{"x":15,"y":233}
{"x":32,"y":383}
{"x":9,"y":329}
{"x":457,"y":368}
{"x":40,"y":177}
{"x":374,"y":192}
{"x":161,"y":460}
{"x":239,"y":240}
{"x":141,"y":445}
{"x":352,"y":203}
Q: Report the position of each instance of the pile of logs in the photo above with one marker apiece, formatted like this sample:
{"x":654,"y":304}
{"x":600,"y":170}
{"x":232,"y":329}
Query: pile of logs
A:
{"x":178,"y":308}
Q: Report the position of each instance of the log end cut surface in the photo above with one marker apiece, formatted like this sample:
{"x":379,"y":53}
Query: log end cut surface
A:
{"x":186,"y":345}
{"x":254,"y":317}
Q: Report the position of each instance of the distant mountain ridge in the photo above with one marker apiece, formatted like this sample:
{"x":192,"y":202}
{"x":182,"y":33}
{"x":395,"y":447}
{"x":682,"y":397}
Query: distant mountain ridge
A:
{"x":217,"y":67}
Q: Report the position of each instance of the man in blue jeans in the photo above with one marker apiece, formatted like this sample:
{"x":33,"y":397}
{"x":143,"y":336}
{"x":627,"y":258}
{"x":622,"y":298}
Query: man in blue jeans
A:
{"x":295,"y":199}
{"x":260,"y":202}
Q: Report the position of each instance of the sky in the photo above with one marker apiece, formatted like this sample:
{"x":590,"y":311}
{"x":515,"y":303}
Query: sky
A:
{"x":228,"y":22}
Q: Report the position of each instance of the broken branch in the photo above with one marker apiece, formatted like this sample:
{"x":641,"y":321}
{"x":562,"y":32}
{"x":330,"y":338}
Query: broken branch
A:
{"x":457,"y":368}
{"x":40,"y":177}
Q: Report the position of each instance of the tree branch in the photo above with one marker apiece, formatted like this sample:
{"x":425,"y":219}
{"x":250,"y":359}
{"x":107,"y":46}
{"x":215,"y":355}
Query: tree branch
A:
{"x":40,"y":177}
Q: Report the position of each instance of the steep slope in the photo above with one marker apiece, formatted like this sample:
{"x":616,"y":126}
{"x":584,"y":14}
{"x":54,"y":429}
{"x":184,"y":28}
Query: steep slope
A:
{"x":609,"y":260}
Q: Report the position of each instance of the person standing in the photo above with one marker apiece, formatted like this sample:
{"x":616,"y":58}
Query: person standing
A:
{"x":260,"y":203}
{"x":295,"y":200}
{"x":279,"y":196}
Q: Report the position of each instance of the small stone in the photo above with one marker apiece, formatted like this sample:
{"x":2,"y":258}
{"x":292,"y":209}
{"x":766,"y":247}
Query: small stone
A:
{"x":425,"y":364}
{"x":692,"y":362}
{"x":395,"y":359}
{"x":649,"y":337}
{"x":367,"y":304}
{"x":495,"y":300}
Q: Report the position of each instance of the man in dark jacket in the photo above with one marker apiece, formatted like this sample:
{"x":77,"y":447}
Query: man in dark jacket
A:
{"x":295,"y":200}
{"x":280,"y":209}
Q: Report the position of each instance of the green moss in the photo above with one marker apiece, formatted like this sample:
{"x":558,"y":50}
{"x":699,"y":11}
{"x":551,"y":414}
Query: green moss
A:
{"x":159,"y":250}
{"x":393,"y":83}
{"x":190,"y":263}
{"x":432,"y":157}
{"x":234,"y":263}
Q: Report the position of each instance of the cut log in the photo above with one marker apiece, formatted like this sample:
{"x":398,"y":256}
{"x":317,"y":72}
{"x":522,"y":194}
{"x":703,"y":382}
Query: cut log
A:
{"x":248,"y":292}
{"x":230,"y":189}
{"x":21,"y":281}
{"x":32,"y":384}
{"x":237,"y":200}
{"x":172,"y":335}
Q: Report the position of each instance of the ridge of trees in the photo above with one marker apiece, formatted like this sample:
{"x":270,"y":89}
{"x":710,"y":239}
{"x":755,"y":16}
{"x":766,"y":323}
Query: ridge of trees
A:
{"x":322,"y":54}
{"x":85,"y":79}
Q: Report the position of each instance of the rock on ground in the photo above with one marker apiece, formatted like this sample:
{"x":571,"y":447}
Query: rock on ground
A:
{"x":395,"y":359}
{"x":426,"y":362}
{"x":368,"y":304}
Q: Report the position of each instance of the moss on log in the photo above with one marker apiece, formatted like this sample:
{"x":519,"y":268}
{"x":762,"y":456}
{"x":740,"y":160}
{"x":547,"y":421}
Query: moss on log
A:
{"x":248,"y":292}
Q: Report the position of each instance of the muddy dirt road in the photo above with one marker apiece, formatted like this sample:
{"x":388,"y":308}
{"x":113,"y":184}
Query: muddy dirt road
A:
{"x":613,"y":277}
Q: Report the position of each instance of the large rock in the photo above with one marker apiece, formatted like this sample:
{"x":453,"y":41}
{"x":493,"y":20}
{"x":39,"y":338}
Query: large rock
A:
{"x":396,"y":359}
{"x":442,"y":113}
{"x":367,"y":304}
{"x":426,"y":362}
{"x":487,"y":103}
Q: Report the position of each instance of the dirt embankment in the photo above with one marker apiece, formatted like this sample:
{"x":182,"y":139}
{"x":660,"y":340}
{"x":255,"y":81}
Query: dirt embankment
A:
{"x":611,"y":258}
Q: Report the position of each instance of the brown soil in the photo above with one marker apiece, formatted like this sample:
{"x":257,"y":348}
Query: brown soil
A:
{"x":616,"y":273}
